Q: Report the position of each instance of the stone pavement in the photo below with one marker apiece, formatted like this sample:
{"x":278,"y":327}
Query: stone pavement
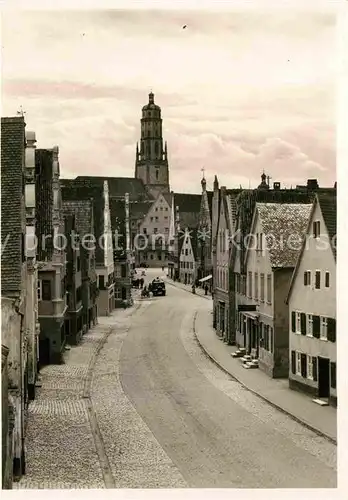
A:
{"x":82,"y":430}
{"x":320,"y":419}
{"x":188,"y":288}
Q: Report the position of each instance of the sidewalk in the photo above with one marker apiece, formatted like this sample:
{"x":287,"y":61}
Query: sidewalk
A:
{"x":188,"y":288}
{"x":321,"y":419}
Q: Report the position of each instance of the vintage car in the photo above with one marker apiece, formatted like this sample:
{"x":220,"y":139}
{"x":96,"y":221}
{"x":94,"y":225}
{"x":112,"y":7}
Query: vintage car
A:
{"x":157,"y":288}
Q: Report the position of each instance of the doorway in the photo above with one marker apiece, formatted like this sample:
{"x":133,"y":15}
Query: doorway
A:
{"x":323,"y":377}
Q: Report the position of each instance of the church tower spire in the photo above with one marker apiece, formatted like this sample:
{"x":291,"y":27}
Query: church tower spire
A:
{"x":151,"y":164}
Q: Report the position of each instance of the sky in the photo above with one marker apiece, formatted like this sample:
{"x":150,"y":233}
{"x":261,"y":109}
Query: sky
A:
{"x":241,"y":91}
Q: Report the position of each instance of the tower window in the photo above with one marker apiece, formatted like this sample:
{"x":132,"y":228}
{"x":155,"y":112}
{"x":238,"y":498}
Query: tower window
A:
{"x":156,"y":175}
{"x":156,"y":149}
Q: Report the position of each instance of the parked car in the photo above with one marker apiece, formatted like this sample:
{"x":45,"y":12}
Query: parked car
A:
{"x":158,"y":287}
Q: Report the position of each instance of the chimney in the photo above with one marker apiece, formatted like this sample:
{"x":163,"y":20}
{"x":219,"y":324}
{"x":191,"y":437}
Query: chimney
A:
{"x":276,"y":186}
{"x":312,"y":184}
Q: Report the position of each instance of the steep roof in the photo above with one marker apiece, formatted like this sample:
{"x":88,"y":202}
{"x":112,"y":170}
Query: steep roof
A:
{"x":12,"y":202}
{"x":119,"y":186}
{"x":328,"y":206}
{"x":83,"y":211}
{"x":189,"y":208}
{"x":284,"y":226}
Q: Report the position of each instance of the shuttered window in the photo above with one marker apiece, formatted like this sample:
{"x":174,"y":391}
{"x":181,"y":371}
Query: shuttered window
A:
{"x":293,"y":321}
{"x":333,"y":375}
{"x":303,"y":323}
{"x":331,"y":329}
{"x":327,"y":280}
{"x":316,"y":326}
{"x":314,"y":368}
{"x":317,"y":279}
{"x":293,"y":362}
{"x":303,"y":365}
{"x":262,"y":287}
{"x":269,"y":288}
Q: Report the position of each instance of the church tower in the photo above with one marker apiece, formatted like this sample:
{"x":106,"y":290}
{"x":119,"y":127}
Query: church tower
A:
{"x":151,"y":164}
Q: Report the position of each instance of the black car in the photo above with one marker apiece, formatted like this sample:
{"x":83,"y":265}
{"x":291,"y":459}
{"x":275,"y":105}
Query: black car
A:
{"x":158,"y":288}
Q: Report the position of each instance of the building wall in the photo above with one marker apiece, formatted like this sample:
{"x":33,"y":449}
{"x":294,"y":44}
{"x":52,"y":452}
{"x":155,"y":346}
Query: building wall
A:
{"x":221,"y":281}
{"x":320,"y":302}
{"x":12,"y":331}
{"x":155,"y":225}
{"x":188,"y":271}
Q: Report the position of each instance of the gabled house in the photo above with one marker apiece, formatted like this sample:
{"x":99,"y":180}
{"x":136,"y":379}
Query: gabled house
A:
{"x":97,"y":189}
{"x":187,"y":259}
{"x":312,"y":305}
{"x":51,"y":256}
{"x":225,"y":228}
{"x":186,"y":211}
{"x":276,"y":235}
{"x":152,"y":248}
{"x":245,"y":207}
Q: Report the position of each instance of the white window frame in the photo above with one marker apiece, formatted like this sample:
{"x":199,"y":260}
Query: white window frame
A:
{"x":118,"y":293}
{"x":309,"y":367}
{"x":298,"y":322}
{"x":323,"y":328}
{"x":298,"y":363}
{"x":39,"y":290}
{"x":310,"y":325}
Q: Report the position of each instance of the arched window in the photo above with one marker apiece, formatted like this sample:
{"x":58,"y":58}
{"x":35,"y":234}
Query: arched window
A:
{"x":156,"y":149}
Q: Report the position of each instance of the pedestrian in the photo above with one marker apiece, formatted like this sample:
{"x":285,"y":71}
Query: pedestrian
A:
{"x":206,"y":290}
{"x":141,"y":282}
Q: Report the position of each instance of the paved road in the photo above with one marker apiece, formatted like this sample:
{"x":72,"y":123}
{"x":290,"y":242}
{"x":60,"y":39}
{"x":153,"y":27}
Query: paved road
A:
{"x":138,"y":405}
{"x":216,"y":434}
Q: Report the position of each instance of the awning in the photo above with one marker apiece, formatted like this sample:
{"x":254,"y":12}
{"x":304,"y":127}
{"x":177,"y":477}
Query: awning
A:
{"x":252,"y":315}
{"x":206,"y":278}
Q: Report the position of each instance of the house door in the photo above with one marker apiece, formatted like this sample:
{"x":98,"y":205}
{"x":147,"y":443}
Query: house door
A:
{"x":324,"y":377}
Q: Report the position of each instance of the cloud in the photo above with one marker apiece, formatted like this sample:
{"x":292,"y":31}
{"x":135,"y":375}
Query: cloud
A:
{"x":240,"y":91}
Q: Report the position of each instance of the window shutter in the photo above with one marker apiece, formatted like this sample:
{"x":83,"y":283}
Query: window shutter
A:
{"x":293,"y":362}
{"x":315,"y":369}
{"x":305,"y":278}
{"x":304,"y":365}
{"x":331,"y":329}
{"x":316,"y":326}
{"x":293,"y":321}
{"x":333,"y":375}
{"x":303,"y":323}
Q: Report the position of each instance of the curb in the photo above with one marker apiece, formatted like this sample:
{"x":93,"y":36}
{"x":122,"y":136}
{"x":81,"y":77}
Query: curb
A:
{"x":293,"y":417}
{"x":188,"y":291}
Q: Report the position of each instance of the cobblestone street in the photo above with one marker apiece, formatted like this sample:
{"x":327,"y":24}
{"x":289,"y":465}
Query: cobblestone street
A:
{"x":63,"y":447}
{"x":139,"y":405}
